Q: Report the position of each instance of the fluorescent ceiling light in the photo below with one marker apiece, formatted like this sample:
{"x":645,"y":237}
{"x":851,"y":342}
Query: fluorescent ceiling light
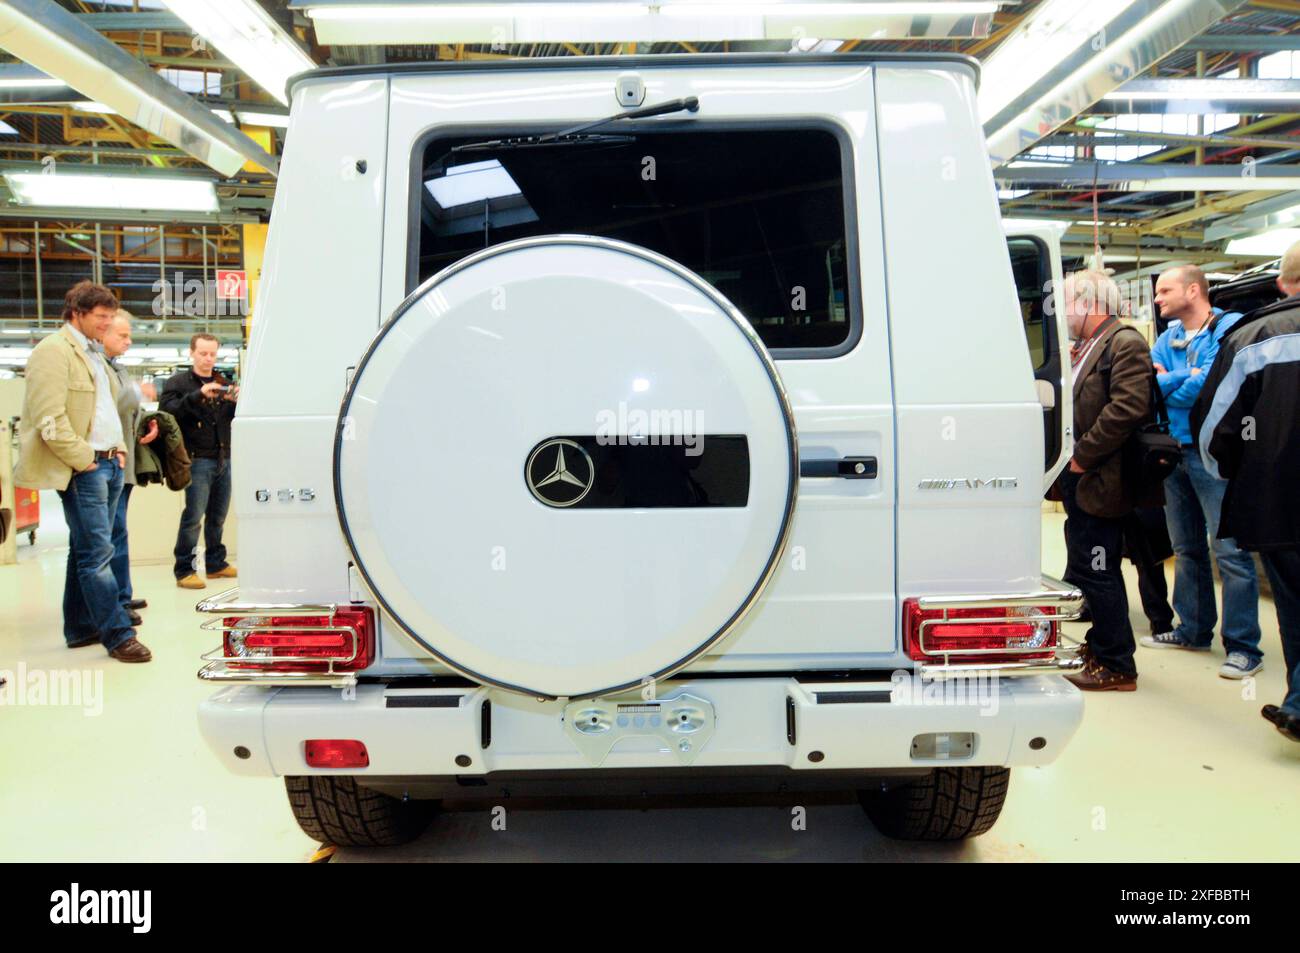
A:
{"x":31,"y":82}
{"x":154,"y":353}
{"x":513,"y":22}
{"x":1275,"y":243}
{"x":1030,"y":222}
{"x":245,"y":34}
{"x":1105,"y":63}
{"x":460,"y":11}
{"x":830,"y":9}
{"x":451,"y":11}
{"x":474,"y":182}
{"x":1052,"y":32}
{"x":1198,"y":104}
{"x":66,"y":189}
{"x":247,"y":118}
{"x":54,"y":41}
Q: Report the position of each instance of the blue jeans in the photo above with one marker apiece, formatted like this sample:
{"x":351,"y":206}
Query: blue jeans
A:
{"x":1193,"y":501}
{"x":121,"y":555}
{"x":1094,"y":548}
{"x":1283,"y":568}
{"x":207,"y":499}
{"x":90,"y":595}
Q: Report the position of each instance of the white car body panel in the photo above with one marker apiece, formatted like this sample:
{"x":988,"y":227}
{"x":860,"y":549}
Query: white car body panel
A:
{"x":527,"y":735}
{"x":939,"y":386}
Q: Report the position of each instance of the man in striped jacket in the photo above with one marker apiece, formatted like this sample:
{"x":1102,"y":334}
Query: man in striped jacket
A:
{"x":1247,"y":426}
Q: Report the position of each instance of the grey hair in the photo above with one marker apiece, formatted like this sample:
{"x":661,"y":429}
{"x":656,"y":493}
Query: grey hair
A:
{"x":1291,"y":265}
{"x":1094,"y":288}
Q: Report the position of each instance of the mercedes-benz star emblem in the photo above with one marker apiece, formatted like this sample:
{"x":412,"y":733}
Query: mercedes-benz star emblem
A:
{"x":560,"y":472}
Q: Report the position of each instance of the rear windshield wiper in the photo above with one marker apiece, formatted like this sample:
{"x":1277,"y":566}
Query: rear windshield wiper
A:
{"x":578,"y":134}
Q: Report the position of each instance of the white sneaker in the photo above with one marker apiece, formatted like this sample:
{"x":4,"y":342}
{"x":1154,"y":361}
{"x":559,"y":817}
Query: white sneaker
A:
{"x":1239,"y":665}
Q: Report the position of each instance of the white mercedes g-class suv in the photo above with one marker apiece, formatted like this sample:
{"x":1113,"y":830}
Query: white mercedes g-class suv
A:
{"x":644,"y":424}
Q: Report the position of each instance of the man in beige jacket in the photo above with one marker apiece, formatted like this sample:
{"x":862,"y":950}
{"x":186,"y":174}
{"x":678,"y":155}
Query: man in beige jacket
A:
{"x":72,"y":441}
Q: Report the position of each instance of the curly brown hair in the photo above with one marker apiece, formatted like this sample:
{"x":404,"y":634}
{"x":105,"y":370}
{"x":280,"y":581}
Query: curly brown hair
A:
{"x":87,"y":296}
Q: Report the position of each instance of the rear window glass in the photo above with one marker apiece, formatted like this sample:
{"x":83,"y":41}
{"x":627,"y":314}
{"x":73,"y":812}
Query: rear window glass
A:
{"x":758,"y":214}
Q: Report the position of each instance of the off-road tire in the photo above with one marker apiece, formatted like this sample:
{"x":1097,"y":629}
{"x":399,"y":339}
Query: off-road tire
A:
{"x":334,"y":809}
{"x":950,"y":804}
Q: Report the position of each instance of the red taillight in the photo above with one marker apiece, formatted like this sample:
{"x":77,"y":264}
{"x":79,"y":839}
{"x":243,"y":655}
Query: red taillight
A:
{"x":342,"y":642}
{"x":1026,"y":633}
{"x":336,"y":753}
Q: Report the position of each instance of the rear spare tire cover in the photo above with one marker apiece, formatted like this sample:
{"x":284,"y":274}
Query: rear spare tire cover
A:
{"x":565,"y":466}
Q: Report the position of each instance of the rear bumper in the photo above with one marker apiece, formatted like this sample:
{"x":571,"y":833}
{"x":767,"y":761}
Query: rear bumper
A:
{"x":778,"y":723}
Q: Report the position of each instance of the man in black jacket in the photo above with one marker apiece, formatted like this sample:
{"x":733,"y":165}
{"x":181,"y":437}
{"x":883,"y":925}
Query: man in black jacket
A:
{"x":203,"y":406}
{"x":1247,"y":425}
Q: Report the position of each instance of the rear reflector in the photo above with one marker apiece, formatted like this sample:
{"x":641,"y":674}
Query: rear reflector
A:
{"x":341,"y":642}
{"x":336,"y":753}
{"x":991,"y":634}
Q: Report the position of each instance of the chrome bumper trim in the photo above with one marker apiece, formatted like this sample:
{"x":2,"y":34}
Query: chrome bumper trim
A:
{"x":218,"y":668}
{"x":1067,"y":600}
{"x":227,"y":601}
{"x":1057,"y":666}
{"x":1063,"y":603}
{"x":223,"y":673}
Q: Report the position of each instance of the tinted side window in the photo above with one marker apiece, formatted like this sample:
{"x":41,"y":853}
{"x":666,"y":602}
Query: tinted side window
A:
{"x":1031,"y":288}
{"x":758,"y":214}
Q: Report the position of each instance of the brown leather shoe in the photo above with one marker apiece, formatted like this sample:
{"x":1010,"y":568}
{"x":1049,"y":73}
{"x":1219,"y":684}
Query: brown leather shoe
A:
{"x":227,"y":572}
{"x":1083,"y":651}
{"x":192,"y":581}
{"x":131,"y":651}
{"x":1097,"y":678}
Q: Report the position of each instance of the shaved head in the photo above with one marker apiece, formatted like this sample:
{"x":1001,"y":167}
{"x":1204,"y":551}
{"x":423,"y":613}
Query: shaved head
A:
{"x":1183,"y":293}
{"x":1189,"y":275}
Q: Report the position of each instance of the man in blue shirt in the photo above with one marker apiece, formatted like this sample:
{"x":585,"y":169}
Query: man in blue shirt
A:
{"x":1193,"y":498}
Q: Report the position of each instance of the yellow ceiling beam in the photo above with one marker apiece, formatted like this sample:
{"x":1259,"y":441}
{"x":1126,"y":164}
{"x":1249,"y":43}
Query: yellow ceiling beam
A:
{"x":1211,"y":206}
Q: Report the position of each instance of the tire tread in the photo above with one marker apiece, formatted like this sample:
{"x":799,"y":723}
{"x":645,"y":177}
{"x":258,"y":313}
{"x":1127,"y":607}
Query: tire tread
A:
{"x":334,"y":809}
{"x":949,"y":804}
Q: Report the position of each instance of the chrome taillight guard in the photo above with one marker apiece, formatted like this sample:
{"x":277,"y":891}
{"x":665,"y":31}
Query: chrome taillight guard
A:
{"x":1058,"y":602}
{"x":221,"y":668}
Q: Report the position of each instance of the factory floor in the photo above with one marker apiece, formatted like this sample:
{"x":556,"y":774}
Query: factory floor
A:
{"x":1184,"y":769}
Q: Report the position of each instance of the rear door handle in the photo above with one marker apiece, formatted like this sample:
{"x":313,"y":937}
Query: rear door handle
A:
{"x":847,"y":468}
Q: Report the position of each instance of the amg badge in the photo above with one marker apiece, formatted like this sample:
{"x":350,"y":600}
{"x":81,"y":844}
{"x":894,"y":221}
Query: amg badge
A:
{"x":995,"y":482}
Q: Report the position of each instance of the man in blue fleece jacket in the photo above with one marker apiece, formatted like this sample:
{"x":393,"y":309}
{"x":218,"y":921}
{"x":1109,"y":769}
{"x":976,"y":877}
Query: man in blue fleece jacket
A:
{"x":1193,"y":498}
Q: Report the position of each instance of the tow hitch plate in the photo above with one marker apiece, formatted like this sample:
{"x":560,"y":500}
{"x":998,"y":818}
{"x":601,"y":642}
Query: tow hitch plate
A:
{"x":682,"y":725}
